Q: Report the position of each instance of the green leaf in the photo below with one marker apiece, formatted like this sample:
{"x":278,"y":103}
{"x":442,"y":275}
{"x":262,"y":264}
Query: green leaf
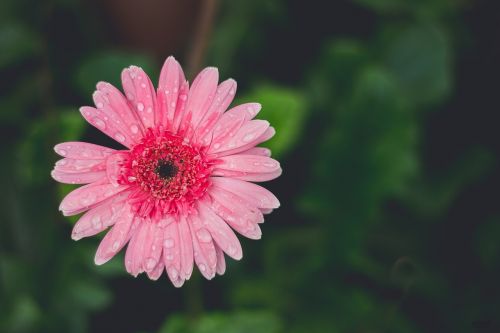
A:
{"x":419,"y":57}
{"x":285,"y":109}
{"x":71,"y":124}
{"x":107,"y":66}
{"x":17,"y":43}
{"x":90,"y":294}
{"x":237,"y":322}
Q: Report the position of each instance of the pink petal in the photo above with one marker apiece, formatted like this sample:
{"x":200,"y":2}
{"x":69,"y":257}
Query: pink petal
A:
{"x":156,"y":272}
{"x":99,"y":218}
{"x":82,"y":150}
{"x":78,"y":178}
{"x":237,"y":212}
{"x":112,"y":102}
{"x":172,"y":89}
{"x":141,"y":95}
{"x":253,"y":193}
{"x":220,"y":231}
{"x":178,"y":251}
{"x":111,"y":126}
{"x":248,"y":176}
{"x":221,"y":262}
{"x":246,"y":137}
{"x":114,"y":166}
{"x":134,"y":257}
{"x":257,"y":151}
{"x":249,"y":110}
{"x":186,"y":245}
{"x":70,"y":165}
{"x":87,"y":196}
{"x":172,"y":252}
{"x":226,"y":127}
{"x":200,"y":99}
{"x":118,"y":236}
{"x":266,"y":211}
{"x":153,"y":249}
{"x":248,"y":163}
{"x":223,"y":98}
{"x":203,"y":246}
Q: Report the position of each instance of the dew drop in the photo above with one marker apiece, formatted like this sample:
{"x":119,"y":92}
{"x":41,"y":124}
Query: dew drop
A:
{"x":100,"y":105}
{"x":217,"y":146}
{"x":270,"y":164}
{"x":115,"y":246}
{"x":61,"y":162}
{"x":143,"y":85}
{"x":202,"y":267}
{"x":168,"y":243}
{"x":99,"y":123}
{"x":204,"y":235}
{"x":134,"y":129}
{"x":96,"y":222}
{"x":249,"y":137}
{"x":140,"y":106}
{"x":119,"y":137}
{"x":173,"y":273}
{"x":150,"y":264}
{"x":183,"y":97}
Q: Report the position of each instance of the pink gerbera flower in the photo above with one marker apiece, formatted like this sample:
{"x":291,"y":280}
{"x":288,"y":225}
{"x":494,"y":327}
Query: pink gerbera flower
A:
{"x":182,"y":183}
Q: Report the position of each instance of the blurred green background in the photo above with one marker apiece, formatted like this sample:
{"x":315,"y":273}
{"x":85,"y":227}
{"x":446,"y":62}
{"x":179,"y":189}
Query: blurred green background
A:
{"x":385,"y":113}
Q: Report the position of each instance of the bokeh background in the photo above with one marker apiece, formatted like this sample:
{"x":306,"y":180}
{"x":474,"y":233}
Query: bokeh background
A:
{"x":386,"y":118}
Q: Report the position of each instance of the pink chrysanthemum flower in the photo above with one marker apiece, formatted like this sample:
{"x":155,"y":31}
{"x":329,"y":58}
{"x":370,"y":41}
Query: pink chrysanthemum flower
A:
{"x":182,"y":183}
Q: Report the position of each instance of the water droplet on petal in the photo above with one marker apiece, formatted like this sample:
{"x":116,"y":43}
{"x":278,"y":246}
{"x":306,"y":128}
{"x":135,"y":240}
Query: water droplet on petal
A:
{"x":203,"y":235}
{"x":249,"y":137}
{"x":62,"y":152}
{"x":173,"y":273}
{"x":140,"y":106}
{"x":99,"y":123}
{"x":96,"y":222}
{"x":119,"y":137}
{"x":134,"y":129}
{"x":202,"y":267}
{"x":168,"y":243}
{"x":115,"y":246}
{"x":150,"y":264}
{"x":100,"y":105}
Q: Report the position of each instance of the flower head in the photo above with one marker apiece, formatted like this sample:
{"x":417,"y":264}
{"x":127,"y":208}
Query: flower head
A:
{"x":183,"y":183}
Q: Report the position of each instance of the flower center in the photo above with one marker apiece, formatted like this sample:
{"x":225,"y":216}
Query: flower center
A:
{"x":168,"y":172}
{"x":166,"y":169}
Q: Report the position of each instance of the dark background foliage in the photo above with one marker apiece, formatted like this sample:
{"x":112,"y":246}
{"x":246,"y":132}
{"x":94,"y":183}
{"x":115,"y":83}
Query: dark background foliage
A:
{"x":385,"y":113}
